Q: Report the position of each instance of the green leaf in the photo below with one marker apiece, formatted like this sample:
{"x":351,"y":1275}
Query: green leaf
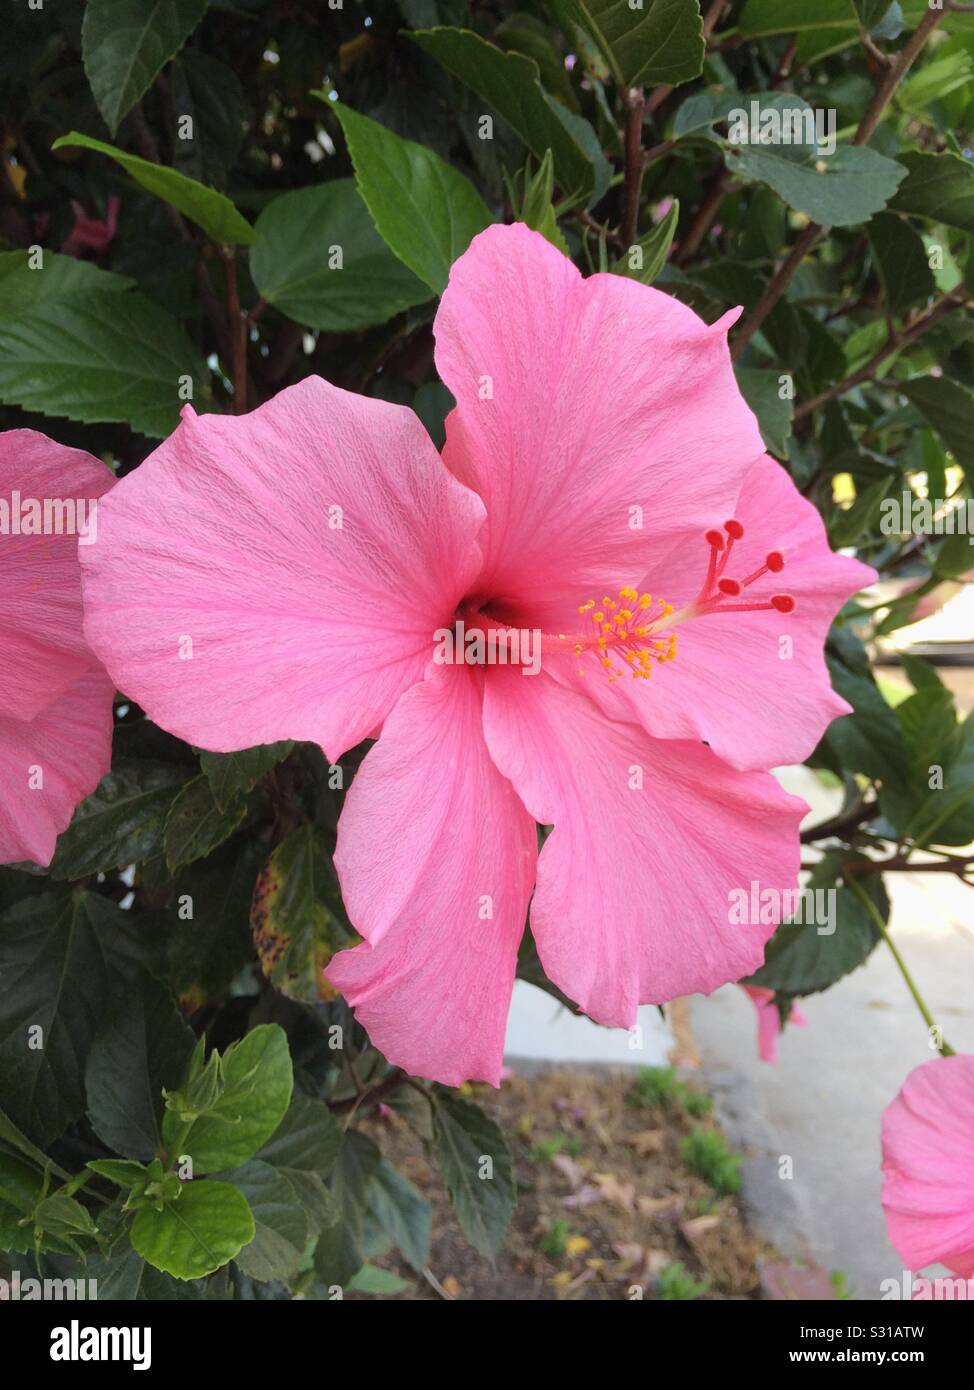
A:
{"x":209,"y":943}
{"x":80,"y":348}
{"x":653,"y":250}
{"x":848,"y":525}
{"x":837,"y":190}
{"x":121,"y":1171}
{"x":126,"y":43}
{"x":210,"y":94}
{"x":870,"y":12}
{"x":537,"y":207}
{"x":955,"y":558}
{"x":304,"y":1149}
{"x":939,"y":187}
{"x":401,"y":1212}
{"x":24,"y":284}
{"x":338,"y":1255}
{"x":762,"y":391}
{"x":122,"y":822}
{"x":143,"y":1047}
{"x":477,"y":1169}
{"x":232,"y":774}
{"x":119,"y":1275}
{"x":20,"y":1187}
{"x":433,"y":403}
{"x":196,"y":825}
{"x":280,"y":1223}
{"x":658,"y":41}
{"x":258,"y":1079}
{"x":60,"y":1215}
{"x":802,"y":959}
{"x":297,"y":917}
{"x":901,"y":260}
{"x":510,"y":83}
{"x":209,"y":209}
{"x":700,"y":111}
{"x":870,"y":739}
{"x":942,"y":754}
{"x":761,"y":17}
{"x":207,"y":1225}
{"x":307,"y":1140}
{"x":935,"y":81}
{"x":13,"y":1138}
{"x":949,"y":407}
{"x":372,"y":1279}
{"x":318,"y":259}
{"x":424,"y":210}
{"x":59,"y":959}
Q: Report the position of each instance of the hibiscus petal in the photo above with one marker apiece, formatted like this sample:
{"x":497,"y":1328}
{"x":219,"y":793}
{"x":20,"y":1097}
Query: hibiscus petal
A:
{"x":300,"y":628}
{"x":42,"y":647}
{"x":633,"y":902}
{"x":928,"y":1165}
{"x":753,"y":685}
{"x":70,"y":745}
{"x":432,"y":837}
{"x":578,"y":400}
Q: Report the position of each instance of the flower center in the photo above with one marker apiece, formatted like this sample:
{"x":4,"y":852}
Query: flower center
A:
{"x":640,"y":631}
{"x":634,"y":629}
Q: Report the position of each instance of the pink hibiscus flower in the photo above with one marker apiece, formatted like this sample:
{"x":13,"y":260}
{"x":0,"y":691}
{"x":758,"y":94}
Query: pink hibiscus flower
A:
{"x":55,"y":700}
{"x":92,"y":233}
{"x":769,"y":1020}
{"x":305,"y":556}
{"x":928,"y":1166}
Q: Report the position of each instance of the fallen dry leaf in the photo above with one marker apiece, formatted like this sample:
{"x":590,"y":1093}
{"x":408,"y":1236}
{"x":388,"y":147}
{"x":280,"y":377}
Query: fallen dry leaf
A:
{"x":698,"y":1226}
{"x":570,"y":1169}
{"x":647,"y":1141}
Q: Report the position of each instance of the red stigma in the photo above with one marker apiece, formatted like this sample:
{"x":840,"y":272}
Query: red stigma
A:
{"x":775,"y":561}
{"x":783,"y":602}
{"x":734,"y":529}
{"x":729,"y":586}
{"x":714,"y":538}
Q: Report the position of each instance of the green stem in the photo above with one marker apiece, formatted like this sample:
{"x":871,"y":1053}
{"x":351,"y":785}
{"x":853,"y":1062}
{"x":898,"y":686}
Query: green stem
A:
{"x":944,"y":1048}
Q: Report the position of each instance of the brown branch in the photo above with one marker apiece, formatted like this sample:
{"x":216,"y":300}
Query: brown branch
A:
{"x":894,"y":343}
{"x":371,"y":1096}
{"x":238,"y":334}
{"x":838,"y":825}
{"x":658,"y":151}
{"x":705,"y":217}
{"x":892,"y":78}
{"x":881,"y":97}
{"x":784,"y":67}
{"x":775,"y":289}
{"x":634,"y":163}
{"x":899,"y":864}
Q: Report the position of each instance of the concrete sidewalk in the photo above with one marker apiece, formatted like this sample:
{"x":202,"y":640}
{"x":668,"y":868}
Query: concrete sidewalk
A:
{"x":822,"y":1102}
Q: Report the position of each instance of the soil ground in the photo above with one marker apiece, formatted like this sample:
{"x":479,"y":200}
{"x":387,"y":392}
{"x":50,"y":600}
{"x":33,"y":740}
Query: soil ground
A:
{"x":606,"y":1201}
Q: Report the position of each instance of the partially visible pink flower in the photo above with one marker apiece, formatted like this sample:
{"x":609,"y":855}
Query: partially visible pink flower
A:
{"x":928,"y":1166}
{"x":312,"y":550}
{"x":769,"y":1020}
{"x":91,"y":233}
{"x":55,"y":699}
